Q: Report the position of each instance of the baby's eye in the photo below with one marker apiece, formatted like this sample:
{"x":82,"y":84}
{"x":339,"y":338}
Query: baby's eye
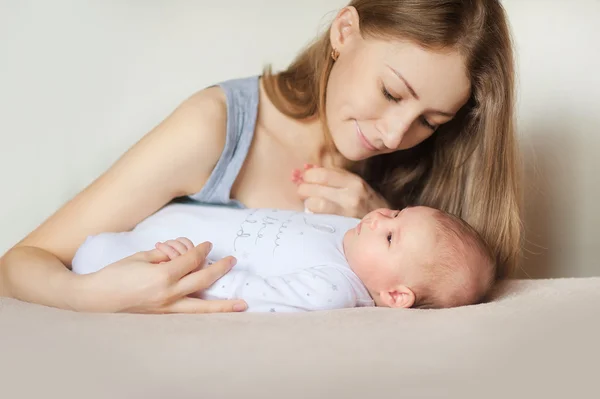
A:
{"x":389,"y":238}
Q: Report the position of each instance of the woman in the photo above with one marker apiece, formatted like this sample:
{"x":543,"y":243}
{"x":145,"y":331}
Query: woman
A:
{"x":398,"y":103}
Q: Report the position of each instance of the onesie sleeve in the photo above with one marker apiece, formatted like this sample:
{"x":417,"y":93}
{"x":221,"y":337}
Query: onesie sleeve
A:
{"x":99,"y":251}
{"x":317,"y":288}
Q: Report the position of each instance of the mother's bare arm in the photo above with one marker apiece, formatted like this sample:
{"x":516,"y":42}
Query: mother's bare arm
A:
{"x":174,"y":159}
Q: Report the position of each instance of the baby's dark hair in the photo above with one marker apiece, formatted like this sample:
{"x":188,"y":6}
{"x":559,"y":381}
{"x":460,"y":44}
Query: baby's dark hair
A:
{"x":462,"y":261}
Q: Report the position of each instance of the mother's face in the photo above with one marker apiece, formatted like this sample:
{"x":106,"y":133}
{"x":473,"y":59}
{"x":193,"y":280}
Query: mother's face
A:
{"x":385,"y":96}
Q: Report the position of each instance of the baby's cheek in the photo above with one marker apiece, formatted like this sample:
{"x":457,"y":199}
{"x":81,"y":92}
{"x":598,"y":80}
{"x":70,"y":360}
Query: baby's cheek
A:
{"x":382,"y":269}
{"x":365,"y":262}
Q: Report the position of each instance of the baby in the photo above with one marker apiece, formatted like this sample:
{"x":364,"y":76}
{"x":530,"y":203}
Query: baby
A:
{"x":291,"y":261}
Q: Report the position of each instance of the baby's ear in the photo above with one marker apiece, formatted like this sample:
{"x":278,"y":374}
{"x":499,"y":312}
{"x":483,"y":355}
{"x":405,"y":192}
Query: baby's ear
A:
{"x":400,"y":297}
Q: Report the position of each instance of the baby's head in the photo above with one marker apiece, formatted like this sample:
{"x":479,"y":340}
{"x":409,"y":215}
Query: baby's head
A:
{"x":419,"y":257}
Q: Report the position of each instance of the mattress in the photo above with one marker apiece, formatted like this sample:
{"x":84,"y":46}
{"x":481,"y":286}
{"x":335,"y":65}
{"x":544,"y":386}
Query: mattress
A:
{"x":534,"y":338}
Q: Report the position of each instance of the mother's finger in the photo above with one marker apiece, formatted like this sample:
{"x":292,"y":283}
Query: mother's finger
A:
{"x":323,"y":205}
{"x":324,"y":199}
{"x":202,"y":279}
{"x":195,"y":305}
{"x":153,"y":256}
{"x":328,"y":177}
{"x":307,"y":190}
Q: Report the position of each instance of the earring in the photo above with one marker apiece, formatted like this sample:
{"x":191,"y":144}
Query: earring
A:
{"x":335,"y":54}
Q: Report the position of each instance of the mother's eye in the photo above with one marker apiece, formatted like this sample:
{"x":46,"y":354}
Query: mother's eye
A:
{"x":389,"y":96}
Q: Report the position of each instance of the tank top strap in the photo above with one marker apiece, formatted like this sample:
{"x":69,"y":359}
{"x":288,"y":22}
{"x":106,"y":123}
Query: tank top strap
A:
{"x":242,"y":108}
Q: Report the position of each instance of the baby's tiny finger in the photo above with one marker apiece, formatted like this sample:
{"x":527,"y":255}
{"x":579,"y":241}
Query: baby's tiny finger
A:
{"x":167,"y":250}
{"x":177,"y":246}
{"x":187,"y":242}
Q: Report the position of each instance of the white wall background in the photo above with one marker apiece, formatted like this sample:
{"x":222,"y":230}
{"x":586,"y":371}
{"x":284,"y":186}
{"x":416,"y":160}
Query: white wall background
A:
{"x":81,"y":81}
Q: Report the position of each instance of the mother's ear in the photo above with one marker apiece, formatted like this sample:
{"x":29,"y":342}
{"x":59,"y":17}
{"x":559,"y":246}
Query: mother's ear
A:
{"x":344,"y":28}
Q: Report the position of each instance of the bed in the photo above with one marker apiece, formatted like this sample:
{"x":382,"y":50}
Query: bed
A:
{"x":533,"y":339}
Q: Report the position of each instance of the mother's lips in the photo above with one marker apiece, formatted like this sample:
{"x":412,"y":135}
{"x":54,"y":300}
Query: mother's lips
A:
{"x":366,"y":143}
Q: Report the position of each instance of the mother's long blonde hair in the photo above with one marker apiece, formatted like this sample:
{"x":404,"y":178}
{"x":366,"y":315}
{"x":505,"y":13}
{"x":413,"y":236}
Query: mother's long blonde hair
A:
{"x":470,"y":167}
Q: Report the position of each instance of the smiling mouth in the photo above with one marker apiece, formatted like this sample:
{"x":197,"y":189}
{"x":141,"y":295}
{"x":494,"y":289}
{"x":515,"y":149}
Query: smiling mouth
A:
{"x":363,"y":139}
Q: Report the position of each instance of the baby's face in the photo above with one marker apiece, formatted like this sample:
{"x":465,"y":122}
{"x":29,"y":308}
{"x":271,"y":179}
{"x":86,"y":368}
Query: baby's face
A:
{"x":388,"y":246}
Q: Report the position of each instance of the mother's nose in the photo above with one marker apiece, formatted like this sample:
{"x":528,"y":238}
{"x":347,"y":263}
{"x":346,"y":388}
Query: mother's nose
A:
{"x":394,"y":136}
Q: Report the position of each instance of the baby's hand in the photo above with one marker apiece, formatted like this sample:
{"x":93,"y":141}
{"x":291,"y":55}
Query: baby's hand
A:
{"x":174,"y":248}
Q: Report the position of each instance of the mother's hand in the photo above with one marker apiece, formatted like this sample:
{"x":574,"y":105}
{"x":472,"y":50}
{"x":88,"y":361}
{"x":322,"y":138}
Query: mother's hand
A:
{"x":336,"y":191}
{"x":149,"y":282}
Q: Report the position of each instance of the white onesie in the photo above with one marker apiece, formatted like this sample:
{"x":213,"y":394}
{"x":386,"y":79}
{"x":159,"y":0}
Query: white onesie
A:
{"x":287,"y":261}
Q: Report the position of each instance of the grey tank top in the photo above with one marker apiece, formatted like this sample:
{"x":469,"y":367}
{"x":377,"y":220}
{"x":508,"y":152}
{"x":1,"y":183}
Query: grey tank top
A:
{"x":242,"y":108}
